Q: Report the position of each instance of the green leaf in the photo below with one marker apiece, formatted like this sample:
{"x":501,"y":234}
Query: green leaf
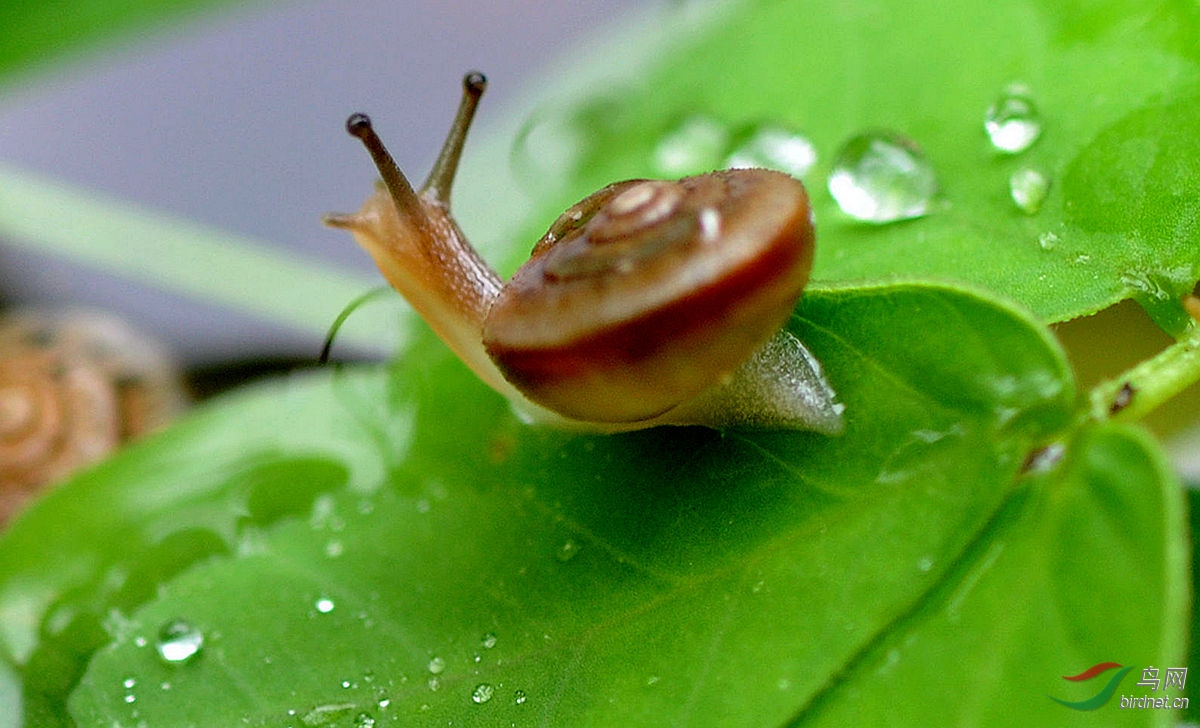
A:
{"x":35,"y":32}
{"x":669,"y":576}
{"x":1116,"y":84}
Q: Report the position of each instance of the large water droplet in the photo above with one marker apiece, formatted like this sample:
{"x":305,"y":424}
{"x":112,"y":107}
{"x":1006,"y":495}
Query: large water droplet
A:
{"x":1028,"y":188}
{"x":482,"y":693}
{"x":881,"y":177}
{"x":178,"y":642}
{"x":774,"y":147}
{"x":695,"y":145}
{"x":1013,"y":122}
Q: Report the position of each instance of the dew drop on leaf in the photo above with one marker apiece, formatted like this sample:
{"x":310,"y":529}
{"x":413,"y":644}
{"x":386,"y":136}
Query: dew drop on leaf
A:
{"x":325,"y":605}
{"x":519,"y":697}
{"x":569,"y":550}
{"x":364,"y":720}
{"x":488,"y":641}
{"x":482,"y":693}
{"x":881,"y":176}
{"x":774,"y":147}
{"x":178,"y":642}
{"x":1047,"y":241}
{"x":436,"y":666}
{"x":1028,"y":188}
{"x":695,"y":145}
{"x":1013,"y":123}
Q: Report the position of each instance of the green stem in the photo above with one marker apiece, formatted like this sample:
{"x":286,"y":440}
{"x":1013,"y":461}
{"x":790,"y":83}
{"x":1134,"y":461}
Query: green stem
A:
{"x":241,"y":273}
{"x":1150,"y":383}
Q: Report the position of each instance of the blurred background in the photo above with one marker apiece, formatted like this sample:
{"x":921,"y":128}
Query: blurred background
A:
{"x":234,"y":119}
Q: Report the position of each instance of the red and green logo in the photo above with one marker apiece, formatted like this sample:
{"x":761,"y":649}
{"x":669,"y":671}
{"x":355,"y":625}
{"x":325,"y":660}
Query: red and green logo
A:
{"x":1105,"y":693}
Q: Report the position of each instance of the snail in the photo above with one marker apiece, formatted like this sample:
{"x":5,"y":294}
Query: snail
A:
{"x":647,"y":303}
{"x":74,"y":386}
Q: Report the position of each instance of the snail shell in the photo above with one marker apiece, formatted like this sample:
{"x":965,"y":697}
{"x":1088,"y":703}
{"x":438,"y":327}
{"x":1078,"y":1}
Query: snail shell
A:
{"x":647,"y":303}
{"x":73,"y":387}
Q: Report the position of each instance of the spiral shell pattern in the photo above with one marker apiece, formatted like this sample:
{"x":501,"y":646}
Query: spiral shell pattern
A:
{"x":73,"y":387}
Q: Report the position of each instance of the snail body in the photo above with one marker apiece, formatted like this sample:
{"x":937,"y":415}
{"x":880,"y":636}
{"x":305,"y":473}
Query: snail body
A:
{"x":647,"y":303}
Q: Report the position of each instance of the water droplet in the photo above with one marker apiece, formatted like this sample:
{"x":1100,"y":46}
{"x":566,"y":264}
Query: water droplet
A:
{"x":1013,"y":122}
{"x":925,"y":563}
{"x":364,"y":720}
{"x":325,"y":605}
{"x":1047,"y":241}
{"x":881,"y":177}
{"x":434,"y":683}
{"x":1029,"y":188}
{"x":437,"y":666}
{"x":519,"y":697}
{"x":346,"y":684}
{"x":482,"y":693}
{"x":178,"y":642}
{"x":774,"y":147}
{"x":695,"y":145}
{"x":130,"y":698}
{"x":333,"y":549}
{"x":569,"y":550}
{"x":384,"y":702}
{"x":129,"y":683}
{"x":488,"y":641}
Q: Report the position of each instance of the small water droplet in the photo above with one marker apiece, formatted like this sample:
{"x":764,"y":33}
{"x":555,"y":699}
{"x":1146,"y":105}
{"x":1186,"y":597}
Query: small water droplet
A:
{"x":695,"y":145}
{"x":519,"y":697}
{"x":1028,"y":188}
{"x":346,"y":684}
{"x":1013,"y":123}
{"x":488,"y":641}
{"x":482,"y":693}
{"x":130,"y":698}
{"x":1047,"y":241}
{"x":129,"y":683}
{"x":434,"y":683}
{"x":364,"y":720}
{"x":140,"y":641}
{"x":178,"y":642}
{"x":437,"y":666}
{"x":925,"y":563}
{"x":334,"y":549}
{"x":882,"y":177}
{"x":165,"y":686}
{"x":384,"y":702}
{"x":325,"y":605}
{"x":774,"y":147}
{"x":569,"y":550}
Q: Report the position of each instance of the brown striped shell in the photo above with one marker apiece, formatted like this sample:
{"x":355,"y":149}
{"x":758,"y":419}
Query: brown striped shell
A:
{"x":73,"y":387}
{"x":648,"y":292}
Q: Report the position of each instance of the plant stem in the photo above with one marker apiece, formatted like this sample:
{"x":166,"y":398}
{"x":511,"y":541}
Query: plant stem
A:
{"x":1151,"y":382}
{"x":182,"y":257}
